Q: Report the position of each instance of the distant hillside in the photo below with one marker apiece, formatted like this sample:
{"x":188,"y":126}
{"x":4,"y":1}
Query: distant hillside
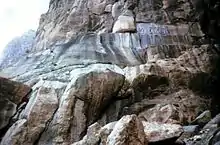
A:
{"x":16,"y":48}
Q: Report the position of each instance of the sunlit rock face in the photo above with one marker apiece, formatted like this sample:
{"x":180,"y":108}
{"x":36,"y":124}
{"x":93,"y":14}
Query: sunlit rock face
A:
{"x":101,"y":61}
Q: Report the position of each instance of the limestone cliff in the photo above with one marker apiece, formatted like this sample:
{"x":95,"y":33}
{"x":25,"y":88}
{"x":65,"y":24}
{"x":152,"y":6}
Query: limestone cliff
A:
{"x":128,"y":72}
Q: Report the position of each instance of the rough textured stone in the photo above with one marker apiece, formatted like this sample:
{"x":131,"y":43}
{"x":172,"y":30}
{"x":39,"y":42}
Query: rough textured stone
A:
{"x":12,"y":94}
{"x":164,"y":68}
{"x":34,"y":119}
{"x":166,"y":133}
{"x":215,"y":121}
{"x":127,"y":131}
{"x":91,"y":137}
{"x":124,"y":24}
{"x":203,"y":118}
{"x":161,"y":113}
{"x":88,"y":95}
{"x":105,"y":131}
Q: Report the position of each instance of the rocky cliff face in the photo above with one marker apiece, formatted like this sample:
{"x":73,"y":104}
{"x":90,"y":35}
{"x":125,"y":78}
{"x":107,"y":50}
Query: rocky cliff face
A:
{"x":114,"y":72}
{"x":67,"y":19}
{"x":17,"y":48}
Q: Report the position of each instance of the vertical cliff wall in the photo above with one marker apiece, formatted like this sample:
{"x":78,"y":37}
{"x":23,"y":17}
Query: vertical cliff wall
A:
{"x":141,"y":65}
{"x":67,"y":19}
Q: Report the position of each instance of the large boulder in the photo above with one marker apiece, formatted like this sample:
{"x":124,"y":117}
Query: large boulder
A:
{"x":162,"y":133}
{"x":162,"y":72}
{"x":88,"y":95}
{"x":33,"y":121}
{"x":130,"y":130}
{"x":12,"y":95}
{"x":127,"y":131}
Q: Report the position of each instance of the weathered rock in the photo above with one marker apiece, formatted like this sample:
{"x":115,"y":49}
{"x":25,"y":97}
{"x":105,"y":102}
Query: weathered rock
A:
{"x":88,"y":94}
{"x":39,"y":111}
{"x":16,"y":48}
{"x":214,"y":122}
{"x":105,"y":131}
{"x":166,"y":133}
{"x":65,"y":20}
{"x":127,"y":131}
{"x":17,"y":132}
{"x":204,"y":137}
{"x":124,"y":24}
{"x":161,"y":113}
{"x":117,"y":9}
{"x":164,"y":72}
{"x":203,"y":118}
{"x":168,"y":3}
{"x":168,"y":108}
{"x":92,"y":136}
{"x":216,"y":139}
{"x":189,"y":131}
{"x":12,"y":94}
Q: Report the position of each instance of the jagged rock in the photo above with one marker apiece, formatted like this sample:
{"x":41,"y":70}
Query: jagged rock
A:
{"x":203,"y":118}
{"x":162,"y":133}
{"x":203,"y":137}
{"x":65,"y":20}
{"x":117,"y":9}
{"x":12,"y":94}
{"x":37,"y":114}
{"x":97,"y":7}
{"x":16,"y":48}
{"x":105,"y":131}
{"x":168,"y":3}
{"x":17,"y":132}
{"x":102,"y":77}
{"x":161,"y":113}
{"x":213,"y":122}
{"x":127,"y":131}
{"x":124,"y":23}
{"x":108,"y":8}
{"x":209,"y":134}
{"x":88,"y":95}
{"x":92,"y":136}
{"x":189,"y":131}
{"x":130,"y":130}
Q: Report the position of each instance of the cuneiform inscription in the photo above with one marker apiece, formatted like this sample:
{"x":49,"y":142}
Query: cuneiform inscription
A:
{"x":152,"y":29}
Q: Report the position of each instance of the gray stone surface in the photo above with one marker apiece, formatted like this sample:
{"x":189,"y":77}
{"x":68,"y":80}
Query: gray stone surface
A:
{"x":99,"y":76}
{"x":157,"y":132}
{"x":38,"y":112}
{"x":12,"y":94}
{"x":127,"y":131}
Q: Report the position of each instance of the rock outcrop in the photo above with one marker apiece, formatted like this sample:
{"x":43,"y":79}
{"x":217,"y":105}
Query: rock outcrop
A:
{"x":13,"y":98}
{"x":16,"y":48}
{"x":114,"y":72}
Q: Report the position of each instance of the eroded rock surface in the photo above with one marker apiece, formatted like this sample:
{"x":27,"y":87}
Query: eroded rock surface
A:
{"x":12,"y":96}
{"x":160,"y":70}
{"x":33,"y":120}
{"x":128,"y":131}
